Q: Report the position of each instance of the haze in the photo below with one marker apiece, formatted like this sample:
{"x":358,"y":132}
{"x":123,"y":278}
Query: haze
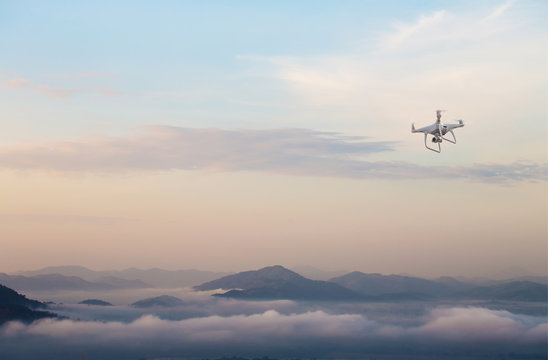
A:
{"x":230,"y":136}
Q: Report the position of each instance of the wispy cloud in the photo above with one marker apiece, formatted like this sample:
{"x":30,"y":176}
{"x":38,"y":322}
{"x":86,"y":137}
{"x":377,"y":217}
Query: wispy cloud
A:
{"x":51,"y":91}
{"x":499,"y":10}
{"x":20,"y":83}
{"x":405,"y":31}
{"x":285,"y":151}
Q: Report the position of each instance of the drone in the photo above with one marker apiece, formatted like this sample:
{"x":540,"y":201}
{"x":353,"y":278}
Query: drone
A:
{"x":437,"y":130}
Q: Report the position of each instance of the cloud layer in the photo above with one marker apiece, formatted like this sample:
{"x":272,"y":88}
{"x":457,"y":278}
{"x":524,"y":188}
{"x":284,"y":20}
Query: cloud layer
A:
{"x":314,"y":333}
{"x":284,"y":151}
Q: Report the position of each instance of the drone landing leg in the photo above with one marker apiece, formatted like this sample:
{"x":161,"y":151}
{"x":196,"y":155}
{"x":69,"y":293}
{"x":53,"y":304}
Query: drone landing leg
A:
{"x":454,"y":141}
{"x":429,"y":148}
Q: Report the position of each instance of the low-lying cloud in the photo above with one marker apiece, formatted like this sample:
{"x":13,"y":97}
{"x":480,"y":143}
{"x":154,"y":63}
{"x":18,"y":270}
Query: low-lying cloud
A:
{"x":284,"y":151}
{"x":312,"y":333}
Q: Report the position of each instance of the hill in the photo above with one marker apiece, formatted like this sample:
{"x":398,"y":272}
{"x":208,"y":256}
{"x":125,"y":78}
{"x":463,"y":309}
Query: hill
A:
{"x":163,"y":300}
{"x":12,"y":297}
{"x":95,"y":302}
{"x":14,"y":306}
{"x":277,"y":282}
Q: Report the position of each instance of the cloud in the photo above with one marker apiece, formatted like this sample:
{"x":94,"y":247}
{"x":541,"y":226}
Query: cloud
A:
{"x":316,"y":333}
{"x":499,"y":10}
{"x":20,"y":83}
{"x":284,"y":151}
{"x":477,"y":324}
{"x":50,"y":91}
{"x":163,"y":147}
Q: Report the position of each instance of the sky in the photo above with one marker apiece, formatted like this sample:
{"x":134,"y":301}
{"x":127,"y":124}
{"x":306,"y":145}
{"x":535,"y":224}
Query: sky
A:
{"x":229,"y":136}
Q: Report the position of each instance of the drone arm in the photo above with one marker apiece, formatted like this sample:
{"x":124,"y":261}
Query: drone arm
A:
{"x":429,"y":148}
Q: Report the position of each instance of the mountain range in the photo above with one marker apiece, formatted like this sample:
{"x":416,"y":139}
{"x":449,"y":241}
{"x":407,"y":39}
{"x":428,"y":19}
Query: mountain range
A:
{"x":514,"y":291}
{"x":63,"y":282}
{"x":155,"y":277}
{"x":277,"y":282}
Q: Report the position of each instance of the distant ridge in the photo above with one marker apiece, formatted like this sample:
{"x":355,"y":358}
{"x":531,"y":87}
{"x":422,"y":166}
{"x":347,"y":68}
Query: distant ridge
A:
{"x":378,"y":284}
{"x":277,"y":282}
{"x":63,"y":282}
{"x":155,"y":277}
{"x":516,"y":291}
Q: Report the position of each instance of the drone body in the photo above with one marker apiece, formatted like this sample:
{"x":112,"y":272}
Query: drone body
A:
{"x":437,"y":130}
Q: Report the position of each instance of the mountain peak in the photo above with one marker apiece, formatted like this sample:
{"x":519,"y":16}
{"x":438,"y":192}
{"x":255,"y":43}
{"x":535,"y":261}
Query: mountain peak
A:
{"x":277,"y":271}
{"x":253,"y":279}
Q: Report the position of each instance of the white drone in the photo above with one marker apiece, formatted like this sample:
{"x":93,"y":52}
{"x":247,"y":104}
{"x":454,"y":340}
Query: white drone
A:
{"x":437,"y":130}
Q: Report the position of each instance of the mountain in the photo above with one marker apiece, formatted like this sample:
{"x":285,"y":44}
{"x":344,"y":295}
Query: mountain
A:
{"x":154,"y":277}
{"x":378,"y":284}
{"x":62,"y":282}
{"x":164,"y":300}
{"x":277,"y":282}
{"x":78,"y":271}
{"x":95,"y":302}
{"x":14,"y":306}
{"x":252,"y":279}
{"x":516,"y":291}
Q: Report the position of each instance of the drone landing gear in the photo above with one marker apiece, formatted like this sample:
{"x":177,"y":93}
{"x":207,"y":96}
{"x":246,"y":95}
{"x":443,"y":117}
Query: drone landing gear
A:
{"x":429,"y":148}
{"x":454,"y":141}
